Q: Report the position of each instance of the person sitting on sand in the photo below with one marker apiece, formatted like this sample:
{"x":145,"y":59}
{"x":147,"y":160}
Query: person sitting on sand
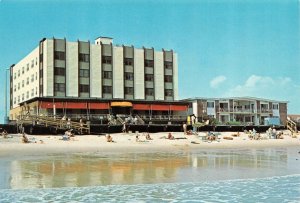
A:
{"x":236,"y":135}
{"x":211,"y":136}
{"x":148,"y":137}
{"x":67,"y":135}
{"x":109,"y":138}
{"x":4,"y":134}
{"x":25,"y":138}
{"x":170,"y":136}
{"x":137,"y":139}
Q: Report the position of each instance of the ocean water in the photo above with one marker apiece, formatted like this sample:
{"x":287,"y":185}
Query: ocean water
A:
{"x":250,"y":175}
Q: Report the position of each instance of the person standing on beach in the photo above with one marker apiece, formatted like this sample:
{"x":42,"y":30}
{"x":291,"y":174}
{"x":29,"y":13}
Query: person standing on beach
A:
{"x":184,"y":126}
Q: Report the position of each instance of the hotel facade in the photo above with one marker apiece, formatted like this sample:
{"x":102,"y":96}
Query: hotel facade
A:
{"x":60,"y":77}
{"x":244,"y":110}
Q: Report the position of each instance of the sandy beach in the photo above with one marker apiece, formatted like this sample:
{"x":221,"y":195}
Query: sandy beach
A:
{"x":126,"y":142}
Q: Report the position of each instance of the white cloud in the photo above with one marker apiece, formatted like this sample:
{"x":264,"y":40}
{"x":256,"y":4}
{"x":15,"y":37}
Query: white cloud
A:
{"x":261,"y":86}
{"x":215,"y":82}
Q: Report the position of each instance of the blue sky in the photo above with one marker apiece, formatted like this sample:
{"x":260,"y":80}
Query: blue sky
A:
{"x":225,"y":48}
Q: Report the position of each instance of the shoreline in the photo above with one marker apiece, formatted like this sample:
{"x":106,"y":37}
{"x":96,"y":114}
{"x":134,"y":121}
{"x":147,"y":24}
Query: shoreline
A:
{"x":126,"y":143}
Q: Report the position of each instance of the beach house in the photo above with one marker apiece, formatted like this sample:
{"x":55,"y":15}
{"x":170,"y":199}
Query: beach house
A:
{"x":239,"y":110}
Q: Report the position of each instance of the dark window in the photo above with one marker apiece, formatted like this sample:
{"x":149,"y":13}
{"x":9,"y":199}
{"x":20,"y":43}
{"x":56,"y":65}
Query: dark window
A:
{"x":22,"y":83}
{"x":84,"y":73}
{"x":168,"y":93}
{"x":149,"y":77}
{"x":106,"y":89}
{"x":128,"y":76}
{"x":59,"y":87}
{"x":27,"y":81}
{"x":22,"y":70}
{"x":27,"y":67}
{"x":84,"y":57}
{"x":59,"y":71}
{"x":129,"y":90}
{"x":106,"y":59}
{"x":210,"y":104}
{"x":128,"y":61}
{"x":149,"y":91}
{"x":107,"y":74}
{"x":59,"y":55}
{"x":149,"y":63}
{"x":18,"y":73}
{"x":84,"y":88}
{"x":168,"y":64}
{"x":168,"y":78}
{"x":41,"y":57}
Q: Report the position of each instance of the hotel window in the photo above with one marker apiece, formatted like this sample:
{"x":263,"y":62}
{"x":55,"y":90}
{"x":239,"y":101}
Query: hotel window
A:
{"x":27,"y":81}
{"x":27,"y":94}
{"x":59,"y":87}
{"x":149,"y":91}
{"x":22,"y":83}
{"x":84,"y":73}
{"x":128,"y":61}
{"x":107,"y":74}
{"x":106,"y":59}
{"x":84,"y":57}
{"x":32,"y":77}
{"x":168,"y":78}
{"x":84,"y":88}
{"x":128,"y":76}
{"x":129,"y":90}
{"x":35,"y":75}
{"x":59,"y":55}
{"x":168,"y":93}
{"x":275,"y":106}
{"x":107,"y":89}
{"x":149,"y":77}
{"x":19,"y":99}
{"x":149,"y":63}
{"x":32,"y":92}
{"x":59,"y":71}
{"x":22,"y":97}
{"x":27,"y":68}
{"x":210,"y":104}
{"x":36,"y":92}
{"x":18,"y":73}
{"x":22,"y":70}
{"x":36,"y":61}
{"x":32,"y":63}
{"x":15,"y":88}
{"x":168,"y":64}
{"x":18,"y":85}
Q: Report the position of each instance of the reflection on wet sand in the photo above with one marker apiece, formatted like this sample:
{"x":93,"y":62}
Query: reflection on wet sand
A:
{"x":85,"y":170}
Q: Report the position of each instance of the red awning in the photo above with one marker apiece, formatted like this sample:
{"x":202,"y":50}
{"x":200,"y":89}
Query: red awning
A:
{"x":99,"y":106}
{"x":141,"y":106}
{"x":160,"y":107}
{"x":75,"y":105}
{"x":46,"y":105}
{"x":178,"y":107}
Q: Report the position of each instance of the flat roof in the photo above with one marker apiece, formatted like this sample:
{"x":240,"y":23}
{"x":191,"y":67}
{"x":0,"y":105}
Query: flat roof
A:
{"x":234,"y":98}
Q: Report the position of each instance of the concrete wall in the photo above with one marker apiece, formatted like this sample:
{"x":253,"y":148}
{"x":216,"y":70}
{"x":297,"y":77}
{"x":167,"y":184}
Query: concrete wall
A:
{"x":118,"y":73}
{"x":72,"y":69}
{"x":139,"y":72}
{"x":95,"y":72}
{"x":159,"y":76}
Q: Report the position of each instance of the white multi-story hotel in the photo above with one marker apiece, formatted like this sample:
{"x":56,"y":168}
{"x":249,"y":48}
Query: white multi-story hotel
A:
{"x":82,"y":76}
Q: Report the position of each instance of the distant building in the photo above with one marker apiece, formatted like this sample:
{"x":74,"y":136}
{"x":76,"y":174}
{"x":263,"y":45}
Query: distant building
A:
{"x":79,"y":78}
{"x":245,"y":110}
